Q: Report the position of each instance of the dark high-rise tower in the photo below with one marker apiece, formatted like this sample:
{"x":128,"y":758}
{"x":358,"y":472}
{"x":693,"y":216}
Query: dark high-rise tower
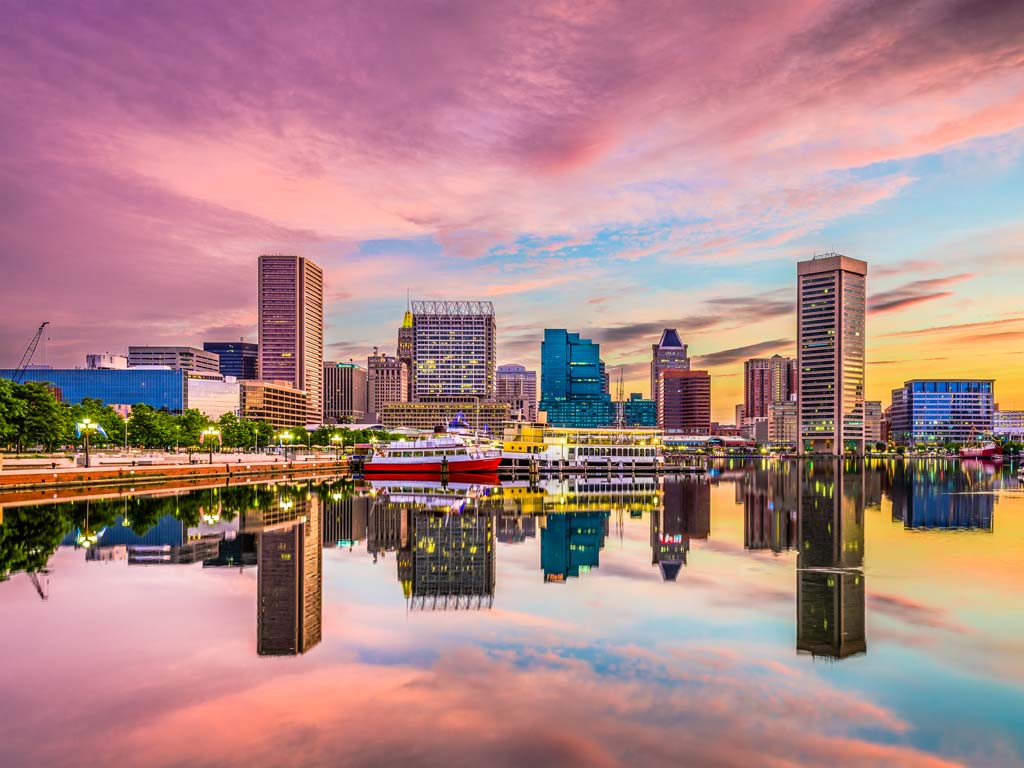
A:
{"x":291,"y":322}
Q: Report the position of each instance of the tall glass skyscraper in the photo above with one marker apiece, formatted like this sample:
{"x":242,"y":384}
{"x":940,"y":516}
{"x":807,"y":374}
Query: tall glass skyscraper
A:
{"x":830,"y":346}
{"x":291,"y":322}
{"x":572,"y":391}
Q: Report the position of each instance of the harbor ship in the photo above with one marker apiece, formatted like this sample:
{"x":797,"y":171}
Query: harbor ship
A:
{"x":989,"y":451}
{"x":432,"y":457}
{"x":554,"y":448}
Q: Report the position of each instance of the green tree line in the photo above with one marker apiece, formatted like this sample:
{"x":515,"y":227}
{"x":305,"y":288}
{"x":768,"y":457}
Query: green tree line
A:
{"x":30,"y":415}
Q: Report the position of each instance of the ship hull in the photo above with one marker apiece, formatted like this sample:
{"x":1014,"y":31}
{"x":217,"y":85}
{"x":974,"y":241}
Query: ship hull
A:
{"x":992,"y":453}
{"x":431,"y":468}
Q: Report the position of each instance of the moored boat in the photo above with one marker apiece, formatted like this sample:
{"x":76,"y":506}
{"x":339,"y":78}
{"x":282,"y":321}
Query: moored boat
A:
{"x":433,"y":456}
{"x":989,"y":451}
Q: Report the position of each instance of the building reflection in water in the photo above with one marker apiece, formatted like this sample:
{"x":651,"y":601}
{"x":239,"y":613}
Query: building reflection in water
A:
{"x":443,"y":536}
{"x":941,"y":494}
{"x":684,"y":515}
{"x":770,"y":500}
{"x":830,"y":576}
{"x":289,"y":593}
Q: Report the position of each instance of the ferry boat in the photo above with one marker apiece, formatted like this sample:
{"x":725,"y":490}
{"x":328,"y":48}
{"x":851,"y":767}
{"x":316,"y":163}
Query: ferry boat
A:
{"x":551,"y":448}
{"x":432,"y":457}
{"x":989,"y":451}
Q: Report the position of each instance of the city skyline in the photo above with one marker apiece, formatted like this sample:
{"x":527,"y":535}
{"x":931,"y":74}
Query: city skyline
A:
{"x":585,"y":174}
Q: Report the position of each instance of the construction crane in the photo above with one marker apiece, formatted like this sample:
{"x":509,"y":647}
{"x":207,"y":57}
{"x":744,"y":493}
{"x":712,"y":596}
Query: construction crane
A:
{"x":30,"y":350}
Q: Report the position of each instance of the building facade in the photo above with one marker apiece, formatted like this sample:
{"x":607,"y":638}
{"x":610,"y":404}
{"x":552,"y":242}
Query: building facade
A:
{"x":685,"y":406}
{"x":874,"y":431}
{"x":387,"y":382}
{"x":237,"y":358}
{"x":1009,"y":425}
{"x":517,"y":387}
{"x":767,"y":380}
{"x":344,"y":393}
{"x":480,"y":417}
{"x":184,"y":358}
{"x":782,"y":424}
{"x":940,"y":411}
{"x":106,"y":361}
{"x":213,"y":397}
{"x":406,"y":344}
{"x":274,"y":402}
{"x":291,"y":326}
{"x":830,"y":353}
{"x":572,"y":385}
{"x":637,"y":411}
{"x":454,"y":350}
{"x":160,"y":388}
{"x":668,"y":354}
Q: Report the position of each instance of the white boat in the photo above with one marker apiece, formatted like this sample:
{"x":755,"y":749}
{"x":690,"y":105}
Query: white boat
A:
{"x":431,"y":457}
{"x":548,"y":448}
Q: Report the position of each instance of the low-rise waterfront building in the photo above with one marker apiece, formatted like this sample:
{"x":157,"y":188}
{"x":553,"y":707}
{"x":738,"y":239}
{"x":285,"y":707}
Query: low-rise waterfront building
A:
{"x":213,"y":397}
{"x":940,"y":411}
{"x":637,"y":411}
{"x":783,"y":424}
{"x":274,"y":402}
{"x":1009,"y":425}
{"x":160,"y":388}
{"x":873,"y":431}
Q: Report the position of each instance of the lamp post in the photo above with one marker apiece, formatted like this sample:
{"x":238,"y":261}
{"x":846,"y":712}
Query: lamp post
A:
{"x":284,"y":437}
{"x":85,"y":428}
{"x":339,"y":443}
{"x":209,"y":434}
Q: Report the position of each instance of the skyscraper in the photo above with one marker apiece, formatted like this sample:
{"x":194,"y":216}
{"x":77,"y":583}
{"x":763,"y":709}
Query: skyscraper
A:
{"x":667,"y":354}
{"x":517,"y":387}
{"x":571,"y":387}
{"x":685,"y":402}
{"x":830,"y":347}
{"x":344,"y":392}
{"x":454,"y":350}
{"x":767,"y":380}
{"x":405,"y":348}
{"x":291,"y":323}
{"x":237,"y":358}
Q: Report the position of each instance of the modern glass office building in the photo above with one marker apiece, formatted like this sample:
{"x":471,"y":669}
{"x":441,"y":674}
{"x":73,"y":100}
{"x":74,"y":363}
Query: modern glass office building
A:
{"x":638,"y":411}
{"x":161,"y":388}
{"x":939,"y":411}
{"x":572,"y":392}
{"x":237,"y":358}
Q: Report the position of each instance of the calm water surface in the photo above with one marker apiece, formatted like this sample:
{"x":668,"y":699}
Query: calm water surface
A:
{"x":778,"y":613}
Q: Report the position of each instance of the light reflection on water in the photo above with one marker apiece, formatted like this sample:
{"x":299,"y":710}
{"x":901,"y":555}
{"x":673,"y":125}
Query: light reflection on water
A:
{"x":817,"y":612}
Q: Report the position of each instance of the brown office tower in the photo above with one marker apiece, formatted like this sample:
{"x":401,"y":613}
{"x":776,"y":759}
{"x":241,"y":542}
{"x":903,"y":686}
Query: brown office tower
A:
{"x":830,"y":348}
{"x":685,"y":404}
{"x":291,"y":321}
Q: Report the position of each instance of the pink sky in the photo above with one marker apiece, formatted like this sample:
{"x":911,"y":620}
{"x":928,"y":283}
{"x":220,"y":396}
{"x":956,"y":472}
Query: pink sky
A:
{"x":611,"y":168}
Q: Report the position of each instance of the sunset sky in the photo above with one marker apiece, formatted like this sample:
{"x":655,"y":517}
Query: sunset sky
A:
{"x":612,"y":168}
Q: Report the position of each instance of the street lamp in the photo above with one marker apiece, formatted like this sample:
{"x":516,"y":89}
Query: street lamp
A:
{"x":85,"y":428}
{"x":284,"y":437}
{"x":339,"y":443}
{"x":210,"y":433}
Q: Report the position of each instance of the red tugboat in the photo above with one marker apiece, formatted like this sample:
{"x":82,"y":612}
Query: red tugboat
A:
{"x":431,"y":457}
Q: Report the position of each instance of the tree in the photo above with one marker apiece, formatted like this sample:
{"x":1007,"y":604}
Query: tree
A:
{"x":28,"y":538}
{"x":190,"y":425}
{"x":43,"y":421}
{"x":12,"y":411}
{"x":111,"y":421}
{"x":150,"y":428}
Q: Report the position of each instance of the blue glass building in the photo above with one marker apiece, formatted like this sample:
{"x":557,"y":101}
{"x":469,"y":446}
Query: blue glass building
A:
{"x":571,"y":382}
{"x":939,"y":411}
{"x":639,"y":411}
{"x":237,"y":358}
{"x":163,"y":389}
